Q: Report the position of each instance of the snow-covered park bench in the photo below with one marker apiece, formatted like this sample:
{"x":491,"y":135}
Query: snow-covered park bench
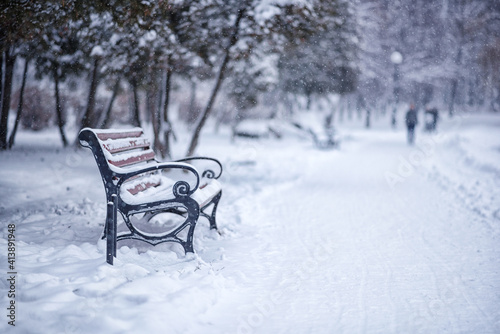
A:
{"x":137,"y":185}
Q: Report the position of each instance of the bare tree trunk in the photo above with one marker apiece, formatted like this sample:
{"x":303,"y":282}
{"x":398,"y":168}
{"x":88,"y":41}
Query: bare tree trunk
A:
{"x":60,"y":121}
{"x":192,"y":98}
{"x":19,"y":105}
{"x":10,"y":61}
{"x":1,"y":80}
{"x":168,"y":132}
{"x":107,"y":116}
{"x":341,"y":109}
{"x":453,"y":94}
{"x":90,"y":119}
{"x":309,"y":100}
{"x":136,"y":112}
{"x":155,"y":108}
{"x":156,"y":120}
{"x":218,"y":82}
{"x":459,"y":23}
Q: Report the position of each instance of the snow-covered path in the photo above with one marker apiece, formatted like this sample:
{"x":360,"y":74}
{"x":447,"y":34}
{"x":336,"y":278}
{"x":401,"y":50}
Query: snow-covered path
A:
{"x":377,"y":237}
{"x":348,"y":249}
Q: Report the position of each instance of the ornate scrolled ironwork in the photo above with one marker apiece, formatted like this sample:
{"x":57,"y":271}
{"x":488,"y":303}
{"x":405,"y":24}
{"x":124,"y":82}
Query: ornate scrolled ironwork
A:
{"x":209,"y":174}
{"x":215,"y":170}
{"x":181,"y":188}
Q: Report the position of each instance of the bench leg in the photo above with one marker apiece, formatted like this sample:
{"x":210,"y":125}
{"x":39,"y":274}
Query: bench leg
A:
{"x":111,"y":229}
{"x":188,"y":244}
{"x":211,"y":216}
{"x":193,"y":213}
{"x":115,"y":228}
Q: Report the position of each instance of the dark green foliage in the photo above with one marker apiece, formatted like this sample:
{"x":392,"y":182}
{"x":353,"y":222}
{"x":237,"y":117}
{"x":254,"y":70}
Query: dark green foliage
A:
{"x":322,"y":60}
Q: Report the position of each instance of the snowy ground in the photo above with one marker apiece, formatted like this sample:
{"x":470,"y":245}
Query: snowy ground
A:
{"x":376,"y":237}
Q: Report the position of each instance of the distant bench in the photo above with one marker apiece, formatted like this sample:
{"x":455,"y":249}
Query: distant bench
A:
{"x":137,"y":184}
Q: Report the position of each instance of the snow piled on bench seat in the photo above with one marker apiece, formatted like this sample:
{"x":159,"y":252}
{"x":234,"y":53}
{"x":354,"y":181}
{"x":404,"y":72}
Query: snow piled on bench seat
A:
{"x":163,"y":190}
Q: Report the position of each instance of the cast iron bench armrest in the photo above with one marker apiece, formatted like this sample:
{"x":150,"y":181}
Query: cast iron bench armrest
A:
{"x":214,"y":173}
{"x":124,"y":176}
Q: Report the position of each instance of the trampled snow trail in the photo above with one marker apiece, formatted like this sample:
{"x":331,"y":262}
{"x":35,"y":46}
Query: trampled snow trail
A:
{"x":377,"y":237}
{"x":364,"y":241}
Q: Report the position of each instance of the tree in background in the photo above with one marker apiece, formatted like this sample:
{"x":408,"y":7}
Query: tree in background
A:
{"x":20,"y":102}
{"x":58,"y":55}
{"x":490,"y":63}
{"x":440,"y":43}
{"x":232,"y":39}
{"x":94,"y":35}
{"x":18,"y":23}
{"x":286,"y":29}
{"x":317,"y":49}
{"x":324,"y":61}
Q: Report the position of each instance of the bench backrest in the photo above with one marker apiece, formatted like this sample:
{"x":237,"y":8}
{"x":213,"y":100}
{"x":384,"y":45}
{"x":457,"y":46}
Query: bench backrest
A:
{"x":123,"y":149}
{"x":120,"y":148}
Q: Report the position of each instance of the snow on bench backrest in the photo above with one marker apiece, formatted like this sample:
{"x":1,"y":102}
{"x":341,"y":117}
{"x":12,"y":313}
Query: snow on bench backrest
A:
{"x":124,"y":148}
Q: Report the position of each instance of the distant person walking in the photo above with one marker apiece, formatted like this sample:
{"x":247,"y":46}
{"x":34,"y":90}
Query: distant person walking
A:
{"x":411,"y":121}
{"x":432,"y":117}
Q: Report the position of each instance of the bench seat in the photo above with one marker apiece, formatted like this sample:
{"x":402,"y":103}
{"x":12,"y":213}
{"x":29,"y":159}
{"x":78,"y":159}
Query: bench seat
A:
{"x":157,"y":187}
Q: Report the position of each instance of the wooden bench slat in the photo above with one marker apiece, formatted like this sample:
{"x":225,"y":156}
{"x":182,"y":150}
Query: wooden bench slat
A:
{"x":123,"y":145}
{"x":142,"y":186}
{"x":119,"y":135}
{"x":141,"y":182}
{"x":132,"y":159}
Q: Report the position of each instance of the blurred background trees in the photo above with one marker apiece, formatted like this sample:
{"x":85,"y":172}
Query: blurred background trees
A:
{"x":104,"y":63}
